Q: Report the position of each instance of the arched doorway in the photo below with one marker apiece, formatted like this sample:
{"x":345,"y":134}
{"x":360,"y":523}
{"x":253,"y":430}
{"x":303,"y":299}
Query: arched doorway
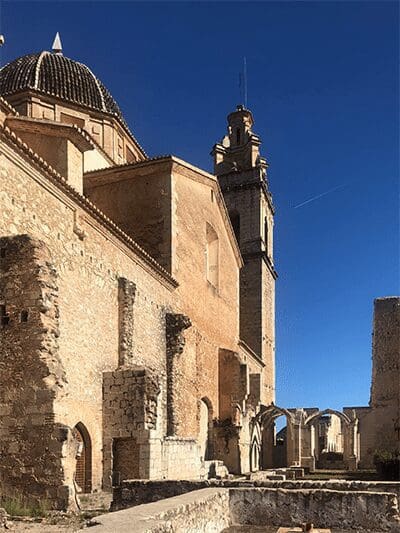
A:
{"x":205,"y":429}
{"x":255,"y":447}
{"x":83,"y":469}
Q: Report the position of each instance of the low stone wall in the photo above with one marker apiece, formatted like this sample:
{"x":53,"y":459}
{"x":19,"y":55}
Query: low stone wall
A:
{"x":213,"y":509}
{"x":136,"y":492}
{"x":205,"y":511}
{"x":363,"y":511}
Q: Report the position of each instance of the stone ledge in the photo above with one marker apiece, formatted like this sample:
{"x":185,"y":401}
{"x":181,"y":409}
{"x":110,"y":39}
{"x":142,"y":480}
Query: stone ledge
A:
{"x":204,"y":510}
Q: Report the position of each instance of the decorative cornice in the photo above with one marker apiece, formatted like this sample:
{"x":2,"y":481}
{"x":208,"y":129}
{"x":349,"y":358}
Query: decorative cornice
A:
{"x":54,"y":177}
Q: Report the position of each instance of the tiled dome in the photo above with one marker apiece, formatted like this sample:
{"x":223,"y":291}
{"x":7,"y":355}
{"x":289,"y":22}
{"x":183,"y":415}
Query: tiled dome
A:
{"x":59,"y":76}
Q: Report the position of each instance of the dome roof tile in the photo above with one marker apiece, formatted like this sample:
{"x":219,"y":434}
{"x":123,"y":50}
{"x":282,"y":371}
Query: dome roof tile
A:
{"x":59,"y":76}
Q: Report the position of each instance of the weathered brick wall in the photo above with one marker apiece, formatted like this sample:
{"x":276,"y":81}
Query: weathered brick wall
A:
{"x":31,"y":373}
{"x":203,"y":511}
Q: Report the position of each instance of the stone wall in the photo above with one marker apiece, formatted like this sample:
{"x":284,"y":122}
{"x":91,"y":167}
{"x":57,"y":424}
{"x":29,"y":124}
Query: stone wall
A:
{"x":130,"y":397}
{"x":181,"y":458}
{"x":213,"y":310}
{"x":245,"y":197}
{"x":379,"y":424}
{"x":339,"y":509}
{"x":89,"y":261}
{"x":31,"y":373}
{"x":363,"y":511}
{"x":138,"y":200}
{"x":205,"y":511}
{"x":136,"y":492}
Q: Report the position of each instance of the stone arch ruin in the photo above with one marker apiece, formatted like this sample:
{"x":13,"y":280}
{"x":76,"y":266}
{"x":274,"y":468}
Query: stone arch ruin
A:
{"x":267,"y":418}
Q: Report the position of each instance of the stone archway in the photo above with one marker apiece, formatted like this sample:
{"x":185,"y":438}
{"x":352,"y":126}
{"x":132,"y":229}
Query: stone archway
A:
{"x":312,"y":447}
{"x":266,"y":417}
{"x":83,"y":468}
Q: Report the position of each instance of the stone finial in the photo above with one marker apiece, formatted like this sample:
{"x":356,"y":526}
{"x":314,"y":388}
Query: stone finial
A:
{"x":57,"y":46}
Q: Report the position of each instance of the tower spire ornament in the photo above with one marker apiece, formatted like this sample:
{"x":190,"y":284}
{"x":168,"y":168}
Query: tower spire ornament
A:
{"x":57,"y":46}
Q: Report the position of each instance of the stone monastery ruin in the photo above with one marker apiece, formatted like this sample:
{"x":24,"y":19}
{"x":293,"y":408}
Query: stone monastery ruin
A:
{"x":137,"y":304}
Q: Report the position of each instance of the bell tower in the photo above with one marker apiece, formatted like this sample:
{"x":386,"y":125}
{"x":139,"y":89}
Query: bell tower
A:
{"x":242,"y":175}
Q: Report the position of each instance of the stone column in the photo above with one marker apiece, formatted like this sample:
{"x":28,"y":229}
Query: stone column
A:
{"x":175,"y":325}
{"x":350,"y":445}
{"x":126,"y":299}
{"x":308,"y":446}
{"x":294,"y":442}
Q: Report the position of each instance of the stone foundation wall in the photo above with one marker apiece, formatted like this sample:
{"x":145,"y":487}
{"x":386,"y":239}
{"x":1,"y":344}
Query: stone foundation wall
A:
{"x":364,"y":511}
{"x":136,"y":492}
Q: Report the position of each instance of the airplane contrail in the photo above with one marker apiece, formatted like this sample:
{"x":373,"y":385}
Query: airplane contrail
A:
{"x":320,"y":195}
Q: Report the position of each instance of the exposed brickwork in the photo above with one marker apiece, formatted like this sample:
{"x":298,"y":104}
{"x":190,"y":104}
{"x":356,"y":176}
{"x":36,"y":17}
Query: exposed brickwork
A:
{"x":126,"y":299}
{"x":385,"y":386}
{"x":175,"y":325}
{"x":31,"y":373}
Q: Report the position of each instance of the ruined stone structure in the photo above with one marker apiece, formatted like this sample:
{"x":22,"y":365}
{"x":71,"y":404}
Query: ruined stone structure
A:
{"x":133,"y":343}
{"x":379,"y":423}
{"x":357,"y":433}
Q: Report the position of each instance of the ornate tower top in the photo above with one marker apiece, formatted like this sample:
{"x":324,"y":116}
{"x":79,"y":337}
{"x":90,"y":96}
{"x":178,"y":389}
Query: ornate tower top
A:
{"x":239,"y":150}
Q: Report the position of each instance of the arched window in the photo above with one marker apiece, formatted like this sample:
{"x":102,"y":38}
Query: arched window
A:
{"x":212,"y":253}
{"x":235,"y":221}
{"x":237,"y":135}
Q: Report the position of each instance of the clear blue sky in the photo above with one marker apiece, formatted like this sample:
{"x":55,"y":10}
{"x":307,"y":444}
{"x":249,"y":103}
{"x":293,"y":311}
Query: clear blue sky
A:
{"x":323,"y":85}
